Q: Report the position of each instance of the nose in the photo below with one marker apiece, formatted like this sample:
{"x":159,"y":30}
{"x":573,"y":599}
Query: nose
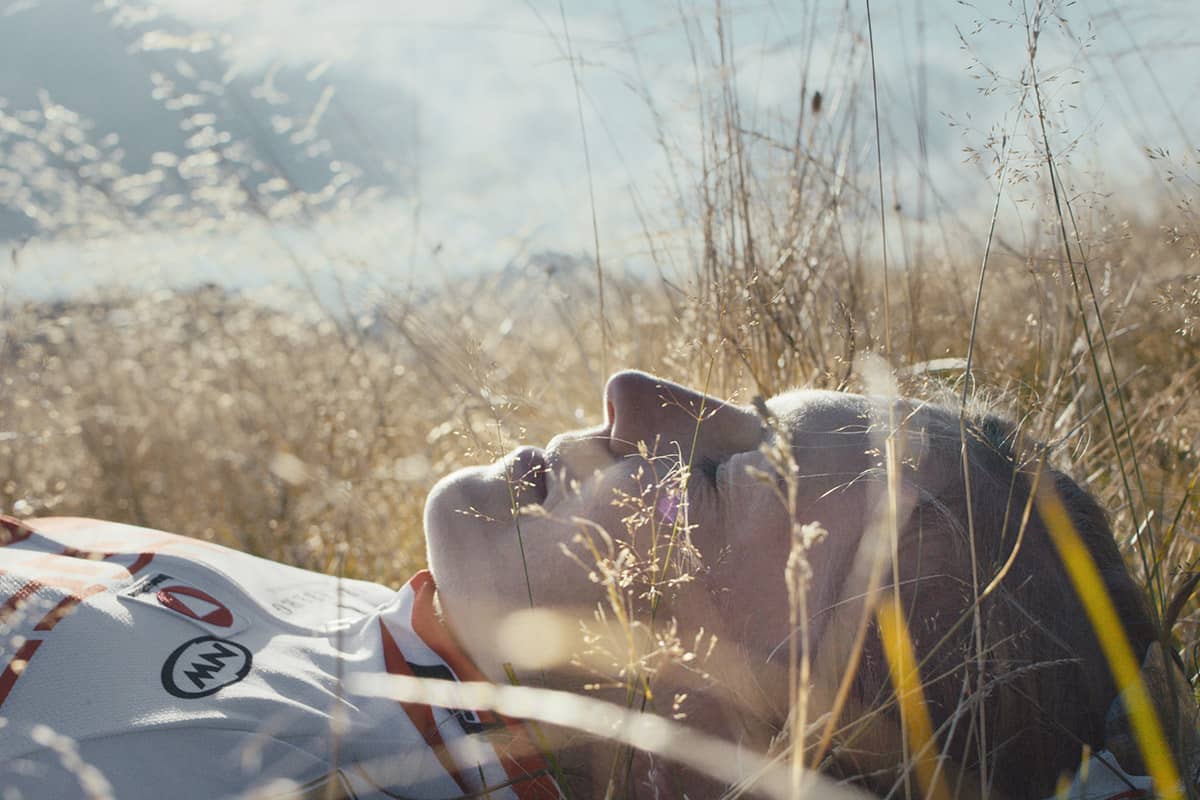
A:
{"x":671,"y":418}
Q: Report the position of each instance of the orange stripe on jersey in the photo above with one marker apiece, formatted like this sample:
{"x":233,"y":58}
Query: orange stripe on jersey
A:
{"x":72,"y":559}
{"x":20,"y":598}
{"x":522,"y":761}
{"x":53,"y":581}
{"x":77,"y":590}
{"x":69,"y":562}
{"x":420,"y":715}
{"x":109,"y":539}
{"x":16,"y":666}
{"x":102,"y":535}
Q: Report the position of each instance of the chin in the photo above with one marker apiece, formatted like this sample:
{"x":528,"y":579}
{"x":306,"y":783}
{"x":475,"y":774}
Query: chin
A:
{"x":445,"y":512}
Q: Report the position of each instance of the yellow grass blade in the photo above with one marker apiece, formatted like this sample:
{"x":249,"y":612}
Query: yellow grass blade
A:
{"x":914,"y":714}
{"x":1102,"y":615}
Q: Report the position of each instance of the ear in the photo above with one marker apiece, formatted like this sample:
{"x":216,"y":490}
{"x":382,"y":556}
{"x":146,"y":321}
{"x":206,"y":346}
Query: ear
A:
{"x":1175,"y":704}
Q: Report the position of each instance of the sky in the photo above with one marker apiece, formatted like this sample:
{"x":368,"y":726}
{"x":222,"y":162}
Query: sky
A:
{"x":499,"y":129}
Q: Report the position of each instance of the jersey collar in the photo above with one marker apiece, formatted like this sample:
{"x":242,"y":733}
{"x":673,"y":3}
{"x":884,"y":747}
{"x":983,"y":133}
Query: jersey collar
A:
{"x":523,"y":761}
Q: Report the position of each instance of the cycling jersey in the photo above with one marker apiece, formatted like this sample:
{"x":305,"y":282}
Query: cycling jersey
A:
{"x":149,"y":665}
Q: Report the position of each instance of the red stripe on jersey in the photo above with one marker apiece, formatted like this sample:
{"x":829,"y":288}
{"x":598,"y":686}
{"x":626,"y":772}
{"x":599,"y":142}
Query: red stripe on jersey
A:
{"x":19,"y":598}
{"x":13,"y":531}
{"x":137,"y":566}
{"x":16,"y":666}
{"x":65,"y":607}
{"x":420,"y":715}
{"x":522,"y":761}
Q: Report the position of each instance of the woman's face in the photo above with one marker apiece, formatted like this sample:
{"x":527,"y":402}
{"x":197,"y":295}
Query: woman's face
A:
{"x":509,"y":536}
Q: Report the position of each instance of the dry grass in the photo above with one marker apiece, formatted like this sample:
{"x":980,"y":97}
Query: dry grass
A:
{"x":301,"y":432}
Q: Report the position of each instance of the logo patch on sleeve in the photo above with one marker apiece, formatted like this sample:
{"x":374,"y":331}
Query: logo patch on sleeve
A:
{"x":203,"y":608}
{"x":195,"y":604}
{"x":204,"y":666}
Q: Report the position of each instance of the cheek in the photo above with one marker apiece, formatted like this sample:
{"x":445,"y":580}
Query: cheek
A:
{"x":619,"y":501}
{"x":484,"y":580}
{"x":757,"y":605}
{"x":748,"y":577}
{"x":556,"y":579}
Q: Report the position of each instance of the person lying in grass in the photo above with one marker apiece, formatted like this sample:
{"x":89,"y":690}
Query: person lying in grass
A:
{"x":766,"y":529}
{"x":731,"y":568}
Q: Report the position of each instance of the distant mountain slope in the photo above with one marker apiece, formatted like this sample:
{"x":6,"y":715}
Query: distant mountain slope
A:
{"x":65,"y":53}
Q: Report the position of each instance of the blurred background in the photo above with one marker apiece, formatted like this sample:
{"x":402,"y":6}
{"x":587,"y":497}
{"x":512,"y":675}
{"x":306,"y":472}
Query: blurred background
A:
{"x":270,"y":269}
{"x":429,"y":142}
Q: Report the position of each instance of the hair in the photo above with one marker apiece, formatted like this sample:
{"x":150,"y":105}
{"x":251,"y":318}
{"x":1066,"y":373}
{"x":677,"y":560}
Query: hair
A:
{"x":1022,"y":706}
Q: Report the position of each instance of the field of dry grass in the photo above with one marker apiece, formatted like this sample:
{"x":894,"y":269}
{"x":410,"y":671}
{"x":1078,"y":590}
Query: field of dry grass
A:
{"x":310,"y":433}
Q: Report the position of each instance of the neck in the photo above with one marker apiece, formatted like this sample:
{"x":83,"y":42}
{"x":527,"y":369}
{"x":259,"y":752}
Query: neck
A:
{"x":731,"y":703}
{"x":714,"y":707}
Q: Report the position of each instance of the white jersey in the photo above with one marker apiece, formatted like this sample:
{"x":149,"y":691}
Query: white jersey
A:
{"x":140,"y":664}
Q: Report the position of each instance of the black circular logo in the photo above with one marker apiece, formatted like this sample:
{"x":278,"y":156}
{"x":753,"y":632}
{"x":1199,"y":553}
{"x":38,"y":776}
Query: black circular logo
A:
{"x":205,"y":665}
